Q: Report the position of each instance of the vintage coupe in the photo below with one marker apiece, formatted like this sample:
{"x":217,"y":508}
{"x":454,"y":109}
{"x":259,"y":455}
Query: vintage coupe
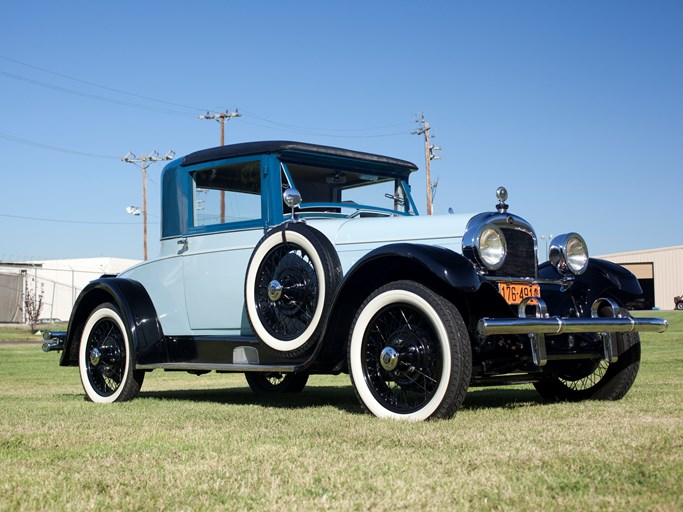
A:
{"x":285,"y":259}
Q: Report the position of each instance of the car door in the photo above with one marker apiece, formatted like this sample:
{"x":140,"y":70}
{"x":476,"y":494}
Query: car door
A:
{"x":229,"y":209}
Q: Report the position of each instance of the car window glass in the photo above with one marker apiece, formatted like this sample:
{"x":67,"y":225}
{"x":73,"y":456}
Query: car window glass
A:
{"x":334,"y":185}
{"x":230,"y":193}
{"x":384,"y":193}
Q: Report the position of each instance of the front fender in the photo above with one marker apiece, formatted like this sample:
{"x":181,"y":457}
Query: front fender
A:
{"x":443,"y":270}
{"x":138,"y":313}
{"x":451,"y":268}
{"x":601,"y":278}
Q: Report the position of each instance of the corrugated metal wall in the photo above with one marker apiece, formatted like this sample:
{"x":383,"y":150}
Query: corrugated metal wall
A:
{"x":668,"y":271}
{"x":11,"y":293}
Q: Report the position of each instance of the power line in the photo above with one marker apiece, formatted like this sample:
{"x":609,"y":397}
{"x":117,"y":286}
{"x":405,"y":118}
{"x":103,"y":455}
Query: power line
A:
{"x":28,"y":142}
{"x":62,"y":221}
{"x":120,"y":91}
{"x":255,"y":116}
{"x":331,"y":135}
{"x":319,"y":131}
{"x":91,"y":96}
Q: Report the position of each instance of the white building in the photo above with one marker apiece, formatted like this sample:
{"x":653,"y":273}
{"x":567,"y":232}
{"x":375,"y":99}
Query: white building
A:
{"x":660,"y":272}
{"x":58,"y":281}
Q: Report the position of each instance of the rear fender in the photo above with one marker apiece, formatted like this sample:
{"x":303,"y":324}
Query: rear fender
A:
{"x":138,"y":313}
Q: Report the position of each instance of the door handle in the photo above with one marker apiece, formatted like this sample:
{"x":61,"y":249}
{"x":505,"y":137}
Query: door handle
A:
{"x":183,"y":242}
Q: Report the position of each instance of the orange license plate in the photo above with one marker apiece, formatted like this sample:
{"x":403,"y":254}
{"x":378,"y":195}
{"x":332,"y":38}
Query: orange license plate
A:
{"x":514,"y":293}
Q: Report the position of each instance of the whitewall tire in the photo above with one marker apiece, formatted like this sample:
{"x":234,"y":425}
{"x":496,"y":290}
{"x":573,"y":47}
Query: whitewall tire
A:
{"x":409,"y":354}
{"x":106,"y":358}
{"x":291,"y":279}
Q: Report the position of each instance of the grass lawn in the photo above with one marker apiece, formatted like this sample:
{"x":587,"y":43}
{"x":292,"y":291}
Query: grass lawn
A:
{"x":208,"y":443}
{"x":16,"y":333}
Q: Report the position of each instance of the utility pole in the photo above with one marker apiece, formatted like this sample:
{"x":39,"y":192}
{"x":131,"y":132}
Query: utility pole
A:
{"x":221,"y":118}
{"x":143,"y":161}
{"x":429,"y":156}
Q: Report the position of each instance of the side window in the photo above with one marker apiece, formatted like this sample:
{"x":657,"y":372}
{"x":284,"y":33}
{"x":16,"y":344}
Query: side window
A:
{"x":230,"y":193}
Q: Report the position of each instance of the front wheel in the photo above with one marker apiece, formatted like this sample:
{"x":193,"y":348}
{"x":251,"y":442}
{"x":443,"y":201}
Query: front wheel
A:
{"x":409,"y":353}
{"x":266,"y":383}
{"x":679,"y":305}
{"x":106,"y":359}
{"x":596,"y":380}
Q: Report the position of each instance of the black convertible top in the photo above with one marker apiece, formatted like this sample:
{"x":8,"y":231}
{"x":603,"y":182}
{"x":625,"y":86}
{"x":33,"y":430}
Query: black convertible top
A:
{"x":279,"y":146}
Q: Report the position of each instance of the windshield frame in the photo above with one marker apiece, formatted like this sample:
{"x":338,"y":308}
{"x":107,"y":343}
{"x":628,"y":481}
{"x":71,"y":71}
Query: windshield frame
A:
{"x":320,"y":200}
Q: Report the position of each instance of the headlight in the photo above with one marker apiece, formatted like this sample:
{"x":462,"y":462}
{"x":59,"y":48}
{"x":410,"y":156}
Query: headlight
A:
{"x":568,"y":253}
{"x":491,"y":247}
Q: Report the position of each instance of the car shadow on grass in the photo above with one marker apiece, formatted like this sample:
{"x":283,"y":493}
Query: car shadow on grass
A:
{"x":496,"y":398}
{"x":313,"y":396}
{"x":340,"y":397}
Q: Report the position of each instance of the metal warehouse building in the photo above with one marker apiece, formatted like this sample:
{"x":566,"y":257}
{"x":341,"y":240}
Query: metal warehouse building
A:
{"x":660,"y":272}
{"x":58,"y":282}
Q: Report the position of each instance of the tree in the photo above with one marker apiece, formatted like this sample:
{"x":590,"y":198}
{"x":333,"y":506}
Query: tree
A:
{"x":32,"y":306}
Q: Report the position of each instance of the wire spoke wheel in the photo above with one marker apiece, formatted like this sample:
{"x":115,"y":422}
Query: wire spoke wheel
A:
{"x":587,"y":382}
{"x":267,"y":383}
{"x":286,"y":291}
{"x":403,"y":333}
{"x":106,"y":359}
{"x":598,"y":379}
{"x":291,"y":279}
{"x":409,"y":353}
{"x":105,"y":362}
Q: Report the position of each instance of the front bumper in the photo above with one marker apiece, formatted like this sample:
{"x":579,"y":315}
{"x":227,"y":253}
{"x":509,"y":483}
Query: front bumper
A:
{"x":536,"y":327}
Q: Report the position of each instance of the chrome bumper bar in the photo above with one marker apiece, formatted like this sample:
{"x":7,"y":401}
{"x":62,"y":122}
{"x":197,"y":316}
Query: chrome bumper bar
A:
{"x":537,"y":326}
{"x":557,"y":325}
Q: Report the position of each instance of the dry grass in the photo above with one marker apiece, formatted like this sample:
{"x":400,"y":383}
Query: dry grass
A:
{"x":207,"y":442}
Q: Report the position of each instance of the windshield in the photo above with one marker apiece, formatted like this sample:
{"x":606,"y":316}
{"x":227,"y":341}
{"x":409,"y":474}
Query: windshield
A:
{"x":334,"y":190}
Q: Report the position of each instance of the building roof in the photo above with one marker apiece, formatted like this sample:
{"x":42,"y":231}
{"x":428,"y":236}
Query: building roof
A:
{"x":643,"y":251}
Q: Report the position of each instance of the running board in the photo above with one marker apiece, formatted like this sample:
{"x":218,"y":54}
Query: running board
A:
{"x":218,"y":367}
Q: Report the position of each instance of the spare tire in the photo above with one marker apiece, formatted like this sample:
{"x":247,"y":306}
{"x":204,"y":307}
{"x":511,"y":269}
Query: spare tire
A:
{"x":291,"y":279}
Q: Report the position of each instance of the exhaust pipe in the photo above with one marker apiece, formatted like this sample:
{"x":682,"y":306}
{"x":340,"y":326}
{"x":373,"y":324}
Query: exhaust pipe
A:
{"x":49,"y":346}
{"x":54,"y":340}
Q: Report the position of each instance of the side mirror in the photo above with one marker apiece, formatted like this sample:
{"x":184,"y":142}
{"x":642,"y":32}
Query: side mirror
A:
{"x":292,"y":198}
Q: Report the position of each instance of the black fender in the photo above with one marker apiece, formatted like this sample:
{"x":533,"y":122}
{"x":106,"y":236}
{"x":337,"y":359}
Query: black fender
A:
{"x":601,"y":278}
{"x":137,"y":310}
{"x":441,"y":269}
{"x":453,"y":269}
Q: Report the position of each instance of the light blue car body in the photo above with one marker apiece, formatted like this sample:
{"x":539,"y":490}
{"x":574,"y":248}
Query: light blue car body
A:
{"x":200,"y":290}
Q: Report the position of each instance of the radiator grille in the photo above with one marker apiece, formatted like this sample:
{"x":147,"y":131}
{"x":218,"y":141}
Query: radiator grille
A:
{"x":521,"y":254}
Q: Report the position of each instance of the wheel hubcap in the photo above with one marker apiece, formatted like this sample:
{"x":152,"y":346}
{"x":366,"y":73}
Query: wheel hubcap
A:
{"x":95,"y":356}
{"x":274,"y":290}
{"x":388,"y":359}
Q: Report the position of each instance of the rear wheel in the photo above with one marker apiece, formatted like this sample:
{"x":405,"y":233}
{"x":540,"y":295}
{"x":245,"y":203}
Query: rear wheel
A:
{"x":266,"y":383}
{"x":679,"y":305}
{"x":106,"y":359}
{"x":409,"y":353}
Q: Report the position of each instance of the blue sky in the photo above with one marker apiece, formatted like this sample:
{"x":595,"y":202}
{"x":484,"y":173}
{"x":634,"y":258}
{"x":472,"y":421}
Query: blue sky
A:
{"x":575,"y":106}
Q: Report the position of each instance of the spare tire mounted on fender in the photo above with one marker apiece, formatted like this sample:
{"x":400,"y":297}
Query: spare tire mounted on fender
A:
{"x":291,"y":279}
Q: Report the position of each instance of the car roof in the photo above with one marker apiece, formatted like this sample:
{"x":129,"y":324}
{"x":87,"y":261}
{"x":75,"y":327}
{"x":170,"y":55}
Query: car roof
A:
{"x":289,"y":147}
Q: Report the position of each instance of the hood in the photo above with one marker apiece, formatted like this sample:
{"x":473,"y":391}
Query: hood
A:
{"x":443,"y":230}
